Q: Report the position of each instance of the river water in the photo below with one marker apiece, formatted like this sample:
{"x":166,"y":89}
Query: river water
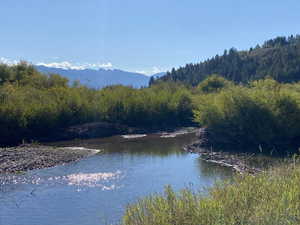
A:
{"x":96,"y":190}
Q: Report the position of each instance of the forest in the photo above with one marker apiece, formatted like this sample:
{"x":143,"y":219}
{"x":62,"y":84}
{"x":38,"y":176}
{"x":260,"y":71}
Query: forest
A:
{"x":278,"y":58}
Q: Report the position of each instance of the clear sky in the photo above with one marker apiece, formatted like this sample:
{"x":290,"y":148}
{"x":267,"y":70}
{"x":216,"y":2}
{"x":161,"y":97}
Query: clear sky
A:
{"x":138,"y":35}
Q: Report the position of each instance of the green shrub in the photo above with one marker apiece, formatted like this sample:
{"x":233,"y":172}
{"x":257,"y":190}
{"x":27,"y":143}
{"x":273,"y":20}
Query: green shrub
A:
{"x":33,"y":105}
{"x":266,"y":115}
{"x":213,"y":83}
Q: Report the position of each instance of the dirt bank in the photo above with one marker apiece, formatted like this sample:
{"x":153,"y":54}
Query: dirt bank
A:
{"x":29,"y":157}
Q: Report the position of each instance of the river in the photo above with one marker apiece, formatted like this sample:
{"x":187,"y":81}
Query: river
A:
{"x":96,"y":190}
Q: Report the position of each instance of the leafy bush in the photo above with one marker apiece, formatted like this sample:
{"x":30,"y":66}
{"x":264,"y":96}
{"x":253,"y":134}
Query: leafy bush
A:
{"x":33,"y":105}
{"x":266,"y":115}
{"x":213,"y":83}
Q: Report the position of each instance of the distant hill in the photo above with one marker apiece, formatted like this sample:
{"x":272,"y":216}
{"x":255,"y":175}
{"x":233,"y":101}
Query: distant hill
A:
{"x":278,"y":58}
{"x":101,"y":78}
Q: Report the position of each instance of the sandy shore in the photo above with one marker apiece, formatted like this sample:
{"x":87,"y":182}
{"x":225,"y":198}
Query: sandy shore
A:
{"x":29,"y":157}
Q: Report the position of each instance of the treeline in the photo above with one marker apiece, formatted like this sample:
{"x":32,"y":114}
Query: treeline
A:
{"x":278,"y":58}
{"x":33,"y":105}
{"x":263,"y":116}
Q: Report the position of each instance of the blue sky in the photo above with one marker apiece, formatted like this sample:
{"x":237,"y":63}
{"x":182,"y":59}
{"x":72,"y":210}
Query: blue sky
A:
{"x":138,"y":35}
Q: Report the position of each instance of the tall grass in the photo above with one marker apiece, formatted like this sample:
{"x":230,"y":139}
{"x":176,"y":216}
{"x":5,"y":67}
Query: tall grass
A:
{"x":271,"y":198}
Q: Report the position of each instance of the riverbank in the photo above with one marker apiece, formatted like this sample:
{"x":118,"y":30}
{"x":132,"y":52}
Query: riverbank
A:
{"x":29,"y":157}
{"x":97,"y":130}
{"x":239,"y":162}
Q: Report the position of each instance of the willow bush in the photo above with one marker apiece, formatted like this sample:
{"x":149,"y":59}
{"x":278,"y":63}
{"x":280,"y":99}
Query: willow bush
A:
{"x":33,"y":105}
{"x":263,"y":115}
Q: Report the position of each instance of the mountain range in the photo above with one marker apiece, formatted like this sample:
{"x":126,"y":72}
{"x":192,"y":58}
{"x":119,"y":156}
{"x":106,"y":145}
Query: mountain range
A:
{"x":101,"y":77}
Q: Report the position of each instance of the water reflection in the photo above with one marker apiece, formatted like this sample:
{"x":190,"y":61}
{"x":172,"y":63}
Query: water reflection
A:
{"x":209,"y":169}
{"x":146,"y":145}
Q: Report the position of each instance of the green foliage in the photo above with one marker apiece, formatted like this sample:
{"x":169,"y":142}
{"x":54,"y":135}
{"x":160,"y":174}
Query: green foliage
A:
{"x":33,"y":105}
{"x":278,"y":58}
{"x":161,"y":105}
{"x":25,"y":74}
{"x":267,"y":199}
{"x":264,"y":115}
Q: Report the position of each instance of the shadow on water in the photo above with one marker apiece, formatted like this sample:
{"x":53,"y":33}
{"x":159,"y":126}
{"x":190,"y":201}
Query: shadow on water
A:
{"x":148,"y":145}
{"x":209,"y":169}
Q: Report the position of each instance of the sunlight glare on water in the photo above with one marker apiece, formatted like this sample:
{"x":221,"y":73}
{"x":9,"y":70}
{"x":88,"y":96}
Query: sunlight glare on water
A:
{"x":93,"y":179}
